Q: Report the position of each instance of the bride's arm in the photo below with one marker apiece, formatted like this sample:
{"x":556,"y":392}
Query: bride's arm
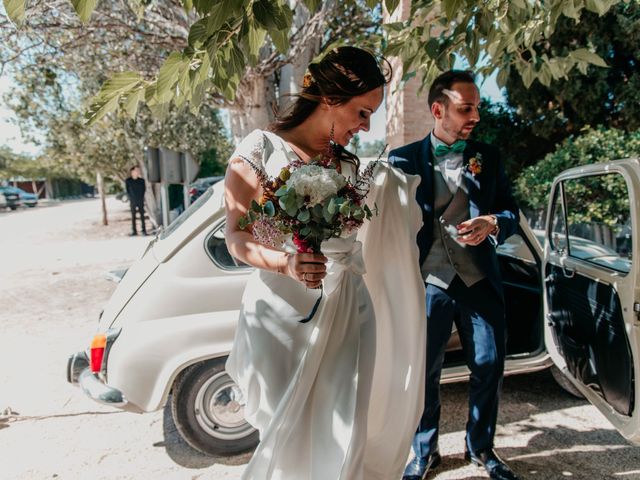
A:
{"x":241,"y":185}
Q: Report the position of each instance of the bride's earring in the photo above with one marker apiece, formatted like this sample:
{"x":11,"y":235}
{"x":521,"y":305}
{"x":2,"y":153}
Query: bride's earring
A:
{"x":332,"y":133}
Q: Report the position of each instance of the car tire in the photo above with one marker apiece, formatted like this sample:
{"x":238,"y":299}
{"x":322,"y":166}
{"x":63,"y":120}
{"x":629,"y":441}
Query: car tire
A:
{"x":207,"y":408}
{"x":13,"y":207}
{"x":565,"y":383}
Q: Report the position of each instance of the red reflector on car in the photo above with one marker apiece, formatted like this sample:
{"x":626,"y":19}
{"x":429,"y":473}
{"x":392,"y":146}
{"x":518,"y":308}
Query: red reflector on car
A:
{"x":98,"y":345}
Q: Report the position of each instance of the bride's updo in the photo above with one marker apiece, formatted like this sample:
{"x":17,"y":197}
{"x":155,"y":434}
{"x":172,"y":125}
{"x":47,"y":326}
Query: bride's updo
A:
{"x":343,"y":73}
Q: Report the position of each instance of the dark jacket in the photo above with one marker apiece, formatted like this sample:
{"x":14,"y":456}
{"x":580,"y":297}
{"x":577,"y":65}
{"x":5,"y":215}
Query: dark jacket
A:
{"x":135,"y":190}
{"x":489,"y":193}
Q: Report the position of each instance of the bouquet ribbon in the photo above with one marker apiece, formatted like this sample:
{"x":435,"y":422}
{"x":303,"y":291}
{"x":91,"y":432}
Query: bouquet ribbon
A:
{"x":340,"y":262}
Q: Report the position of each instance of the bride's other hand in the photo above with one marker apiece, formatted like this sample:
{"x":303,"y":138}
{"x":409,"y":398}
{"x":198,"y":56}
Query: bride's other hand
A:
{"x":308,"y":268}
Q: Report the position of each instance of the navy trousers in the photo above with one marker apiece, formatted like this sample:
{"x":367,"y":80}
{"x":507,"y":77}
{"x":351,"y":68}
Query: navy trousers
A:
{"x":478,"y":312}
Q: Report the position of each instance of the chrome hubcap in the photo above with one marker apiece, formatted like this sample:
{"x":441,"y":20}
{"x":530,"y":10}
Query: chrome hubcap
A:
{"x":219,"y":408}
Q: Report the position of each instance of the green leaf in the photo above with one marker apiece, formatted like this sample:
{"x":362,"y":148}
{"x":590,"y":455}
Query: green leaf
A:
{"x":270,"y":209}
{"x":280,"y":40}
{"x":282,"y":191}
{"x":313,"y":5}
{"x":600,"y":6}
{"x":452,"y":8}
{"x":582,"y":54}
{"x":243,"y":223}
{"x":198,"y":33}
{"x":391,"y":5}
{"x":131,"y":101}
{"x":255,"y":40}
{"x":331,"y":206}
{"x":187,"y":5}
{"x":107,"y":98}
{"x":304,"y":216}
{"x":171,"y":69}
{"x":255,"y":206}
{"x":84,"y":8}
{"x":15,"y":10}
{"x":345,"y":209}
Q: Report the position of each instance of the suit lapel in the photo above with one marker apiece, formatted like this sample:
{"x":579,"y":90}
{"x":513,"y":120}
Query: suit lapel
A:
{"x":424,"y":168}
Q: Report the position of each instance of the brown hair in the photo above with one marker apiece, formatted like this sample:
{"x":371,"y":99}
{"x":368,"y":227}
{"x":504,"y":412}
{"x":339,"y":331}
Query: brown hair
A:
{"x":445,"y":81}
{"x":343,"y":73}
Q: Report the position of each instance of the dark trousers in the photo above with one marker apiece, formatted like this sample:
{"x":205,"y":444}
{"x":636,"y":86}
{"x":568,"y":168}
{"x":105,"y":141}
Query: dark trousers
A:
{"x":137,"y":207}
{"x":478,"y":312}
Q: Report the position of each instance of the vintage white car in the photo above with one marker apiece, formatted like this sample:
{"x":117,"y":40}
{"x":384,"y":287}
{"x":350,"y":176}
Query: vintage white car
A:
{"x":169,"y":325}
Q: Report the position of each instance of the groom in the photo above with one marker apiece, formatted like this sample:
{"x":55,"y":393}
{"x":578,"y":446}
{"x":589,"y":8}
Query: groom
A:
{"x":467,"y":208}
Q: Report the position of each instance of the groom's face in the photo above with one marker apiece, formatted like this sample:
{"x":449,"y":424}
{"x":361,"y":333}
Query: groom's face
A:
{"x":458,"y":116}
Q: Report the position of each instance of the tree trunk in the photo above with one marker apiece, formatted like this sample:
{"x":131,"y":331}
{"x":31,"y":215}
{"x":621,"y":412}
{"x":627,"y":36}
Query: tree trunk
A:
{"x":103,"y":199}
{"x":253,"y":106}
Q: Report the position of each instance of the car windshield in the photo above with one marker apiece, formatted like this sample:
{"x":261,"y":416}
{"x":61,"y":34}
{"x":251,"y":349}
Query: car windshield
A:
{"x":173,"y":226}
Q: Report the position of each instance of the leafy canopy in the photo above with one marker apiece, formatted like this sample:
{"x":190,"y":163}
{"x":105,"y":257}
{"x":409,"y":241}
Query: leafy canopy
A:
{"x":226,"y":36}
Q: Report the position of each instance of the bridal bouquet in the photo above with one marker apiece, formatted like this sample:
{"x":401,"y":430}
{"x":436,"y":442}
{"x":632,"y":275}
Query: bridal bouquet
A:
{"x":309,"y":203}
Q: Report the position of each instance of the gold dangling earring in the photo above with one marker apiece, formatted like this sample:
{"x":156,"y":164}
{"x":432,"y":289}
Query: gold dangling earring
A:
{"x":332,"y":133}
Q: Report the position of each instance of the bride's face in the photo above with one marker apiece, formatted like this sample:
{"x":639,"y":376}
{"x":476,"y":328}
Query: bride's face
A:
{"x":354,"y":116}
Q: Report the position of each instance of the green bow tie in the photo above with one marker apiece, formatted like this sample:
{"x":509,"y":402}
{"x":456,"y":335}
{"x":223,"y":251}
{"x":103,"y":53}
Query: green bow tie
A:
{"x":457,"y":147}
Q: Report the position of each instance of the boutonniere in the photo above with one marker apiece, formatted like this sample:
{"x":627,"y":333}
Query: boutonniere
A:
{"x":474,"y":164}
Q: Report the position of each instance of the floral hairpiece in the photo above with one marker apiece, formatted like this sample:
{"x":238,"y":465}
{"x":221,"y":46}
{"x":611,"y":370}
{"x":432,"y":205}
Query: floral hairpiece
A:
{"x":307,"y":80}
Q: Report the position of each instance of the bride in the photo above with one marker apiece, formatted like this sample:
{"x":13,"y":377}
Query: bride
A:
{"x":339,"y":397}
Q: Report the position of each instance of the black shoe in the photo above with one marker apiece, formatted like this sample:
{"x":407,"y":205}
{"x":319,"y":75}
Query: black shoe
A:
{"x":133,"y":234}
{"x":419,"y":467}
{"x":494,"y":466}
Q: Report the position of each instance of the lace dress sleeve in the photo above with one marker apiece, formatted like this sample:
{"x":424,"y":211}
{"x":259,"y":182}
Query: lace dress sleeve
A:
{"x":252,"y":149}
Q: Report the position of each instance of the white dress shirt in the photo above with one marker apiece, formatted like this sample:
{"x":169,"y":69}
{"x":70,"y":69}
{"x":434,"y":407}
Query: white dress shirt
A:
{"x":449,"y":165}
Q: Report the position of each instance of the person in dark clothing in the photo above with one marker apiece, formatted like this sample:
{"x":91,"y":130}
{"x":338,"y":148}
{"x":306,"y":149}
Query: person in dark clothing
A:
{"x":136,"y":187}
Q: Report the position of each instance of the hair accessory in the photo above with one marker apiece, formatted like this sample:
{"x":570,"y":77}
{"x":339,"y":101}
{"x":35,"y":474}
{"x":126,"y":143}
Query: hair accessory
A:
{"x":307,"y":80}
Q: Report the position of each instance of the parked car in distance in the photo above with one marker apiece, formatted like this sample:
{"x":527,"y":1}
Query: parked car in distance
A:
{"x":12,"y":197}
{"x":29,"y":199}
{"x":3,"y":201}
{"x":570,"y":300}
{"x":200,"y":185}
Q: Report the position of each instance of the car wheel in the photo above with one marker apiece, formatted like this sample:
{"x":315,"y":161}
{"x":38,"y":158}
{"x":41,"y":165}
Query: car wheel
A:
{"x":208,"y":410}
{"x":13,"y":207}
{"x":565,"y":383}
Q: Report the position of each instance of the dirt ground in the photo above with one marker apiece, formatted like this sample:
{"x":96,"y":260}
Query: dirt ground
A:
{"x":53,"y":265}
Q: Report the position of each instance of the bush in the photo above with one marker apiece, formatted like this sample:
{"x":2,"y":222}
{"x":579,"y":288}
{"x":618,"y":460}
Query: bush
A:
{"x":533,"y":186}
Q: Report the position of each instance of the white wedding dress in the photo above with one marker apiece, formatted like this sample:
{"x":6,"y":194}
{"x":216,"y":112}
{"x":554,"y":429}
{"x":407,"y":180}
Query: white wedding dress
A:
{"x":339,"y":397}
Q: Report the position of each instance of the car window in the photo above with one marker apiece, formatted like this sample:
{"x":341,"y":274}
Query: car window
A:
{"x":516,"y":247}
{"x":598,"y":220}
{"x":173,"y":226}
{"x":558,"y":231}
{"x":218,"y":252}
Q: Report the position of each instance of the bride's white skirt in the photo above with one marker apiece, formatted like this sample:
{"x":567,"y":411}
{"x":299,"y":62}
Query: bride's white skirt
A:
{"x":310,"y":388}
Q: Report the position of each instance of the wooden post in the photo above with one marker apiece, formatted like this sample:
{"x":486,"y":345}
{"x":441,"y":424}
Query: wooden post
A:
{"x":103,"y":198}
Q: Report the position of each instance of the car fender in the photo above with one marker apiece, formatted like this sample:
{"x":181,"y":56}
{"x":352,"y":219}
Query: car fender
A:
{"x":148,"y":356}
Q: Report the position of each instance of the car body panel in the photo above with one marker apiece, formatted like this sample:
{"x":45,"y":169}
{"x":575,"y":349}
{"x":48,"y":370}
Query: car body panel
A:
{"x":622,"y":288}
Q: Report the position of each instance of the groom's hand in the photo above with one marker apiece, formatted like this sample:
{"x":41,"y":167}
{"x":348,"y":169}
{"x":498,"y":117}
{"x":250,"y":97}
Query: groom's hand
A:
{"x":475,"y":231}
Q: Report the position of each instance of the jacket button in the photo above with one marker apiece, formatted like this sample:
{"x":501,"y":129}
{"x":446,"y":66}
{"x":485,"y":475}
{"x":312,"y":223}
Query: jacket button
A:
{"x":455,"y":265}
{"x":450,"y":251}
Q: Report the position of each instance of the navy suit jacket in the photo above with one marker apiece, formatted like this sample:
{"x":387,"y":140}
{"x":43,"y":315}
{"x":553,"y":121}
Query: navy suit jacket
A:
{"x":489,"y":193}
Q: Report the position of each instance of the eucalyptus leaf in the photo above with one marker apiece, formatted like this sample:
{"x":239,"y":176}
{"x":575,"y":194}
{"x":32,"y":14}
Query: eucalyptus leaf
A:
{"x":269,"y":209}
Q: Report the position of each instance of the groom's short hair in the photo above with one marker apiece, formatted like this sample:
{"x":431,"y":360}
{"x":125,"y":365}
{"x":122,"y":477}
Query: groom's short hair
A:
{"x":445,"y":81}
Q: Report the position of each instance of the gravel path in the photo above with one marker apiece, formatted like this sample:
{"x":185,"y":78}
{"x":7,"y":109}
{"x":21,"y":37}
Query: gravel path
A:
{"x":54,"y":260}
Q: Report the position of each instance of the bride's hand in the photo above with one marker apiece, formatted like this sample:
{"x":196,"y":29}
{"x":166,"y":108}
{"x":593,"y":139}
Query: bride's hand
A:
{"x":308,"y":268}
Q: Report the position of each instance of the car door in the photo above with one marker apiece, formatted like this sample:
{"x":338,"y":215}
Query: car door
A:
{"x":591,"y":294}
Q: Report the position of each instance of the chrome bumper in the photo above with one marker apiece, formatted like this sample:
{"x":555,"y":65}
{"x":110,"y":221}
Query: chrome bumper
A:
{"x":78,"y":373}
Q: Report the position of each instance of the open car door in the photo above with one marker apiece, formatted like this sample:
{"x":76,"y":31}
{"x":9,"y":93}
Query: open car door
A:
{"x":591,"y":294}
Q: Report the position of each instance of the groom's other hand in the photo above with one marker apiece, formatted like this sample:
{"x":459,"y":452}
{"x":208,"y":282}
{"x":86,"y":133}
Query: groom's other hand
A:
{"x":475,"y":231}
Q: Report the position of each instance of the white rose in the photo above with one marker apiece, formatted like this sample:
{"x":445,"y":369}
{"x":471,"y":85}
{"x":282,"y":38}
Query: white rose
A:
{"x":316,"y":182}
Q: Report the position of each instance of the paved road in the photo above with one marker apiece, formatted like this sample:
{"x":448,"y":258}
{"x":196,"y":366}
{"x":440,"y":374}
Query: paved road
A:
{"x":53,"y":262}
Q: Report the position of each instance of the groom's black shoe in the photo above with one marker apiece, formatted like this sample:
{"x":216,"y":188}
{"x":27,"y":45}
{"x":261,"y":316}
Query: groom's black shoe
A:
{"x":419,"y":467}
{"x":494,"y":466}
